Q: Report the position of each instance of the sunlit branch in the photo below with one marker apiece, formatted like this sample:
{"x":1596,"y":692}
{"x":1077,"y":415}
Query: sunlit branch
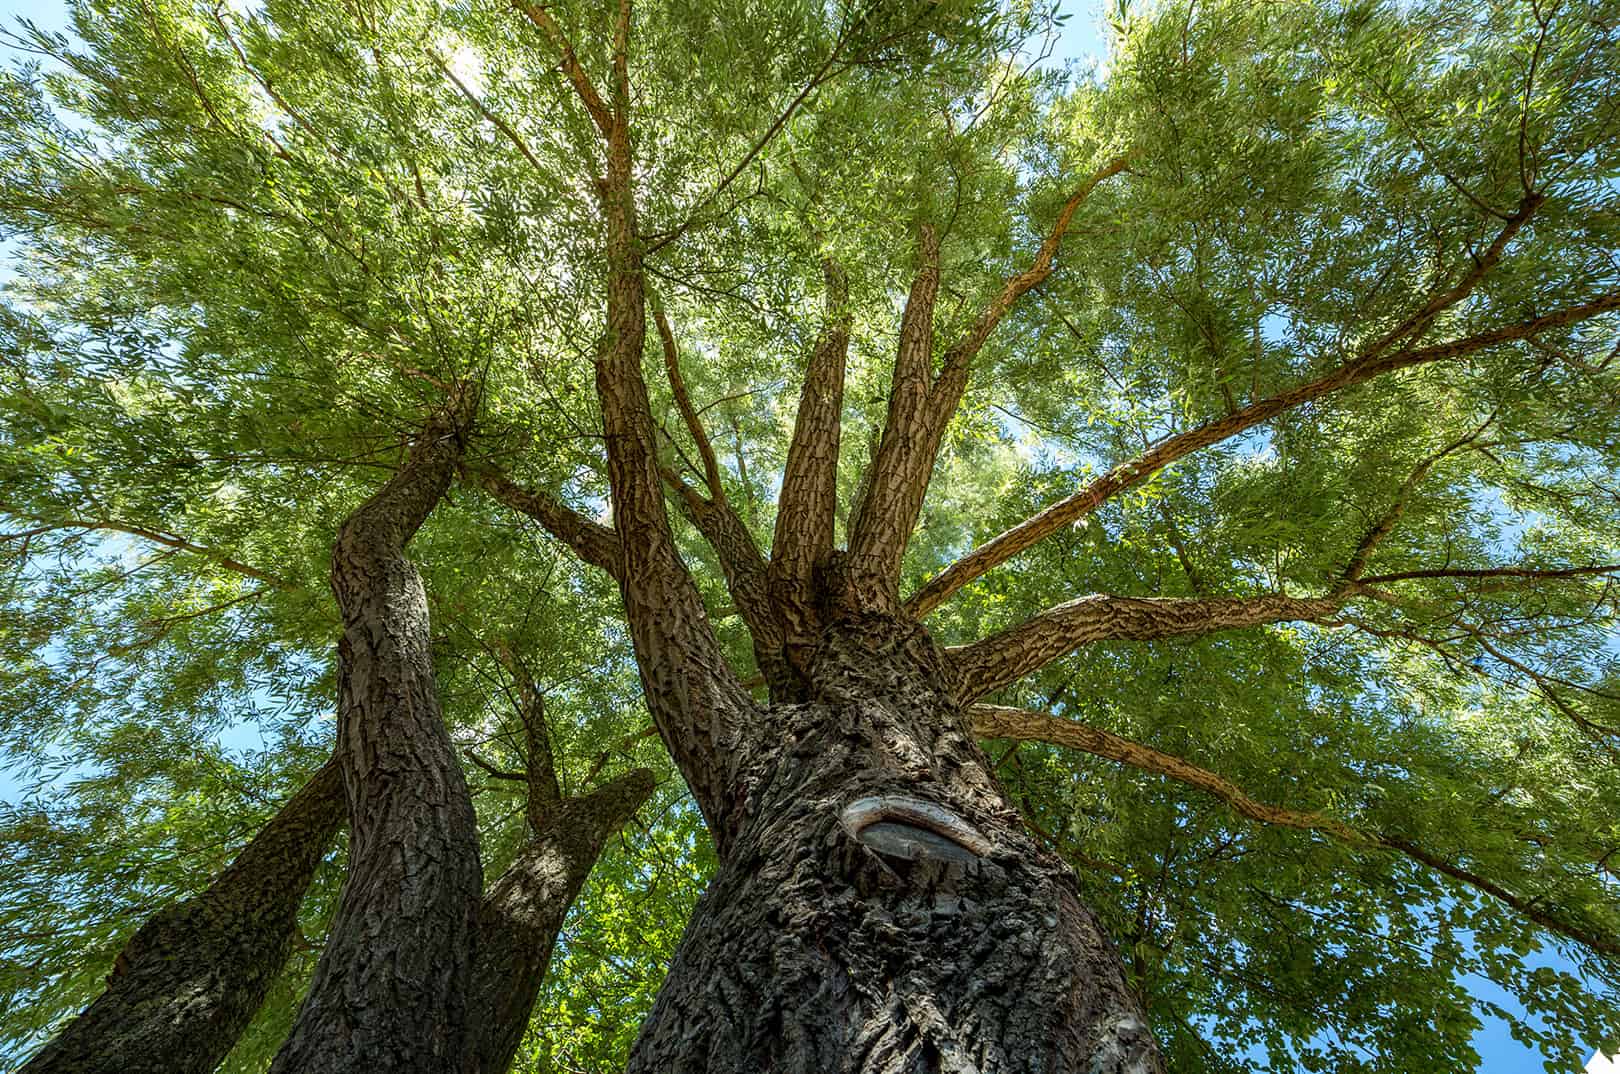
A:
{"x":1004,"y":658}
{"x":1130,"y":474}
{"x":575,"y":73}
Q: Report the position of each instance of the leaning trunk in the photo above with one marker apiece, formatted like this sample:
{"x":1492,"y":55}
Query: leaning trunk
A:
{"x":523,"y":912}
{"x":390,"y":990}
{"x":188,"y":982}
{"x":880,"y":906}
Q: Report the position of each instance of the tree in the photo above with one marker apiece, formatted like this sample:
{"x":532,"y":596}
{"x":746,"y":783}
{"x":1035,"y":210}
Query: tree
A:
{"x":1122,"y":566}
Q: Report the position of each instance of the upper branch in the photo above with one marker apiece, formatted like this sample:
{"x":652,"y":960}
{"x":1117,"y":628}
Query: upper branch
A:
{"x":806,"y":511}
{"x":696,"y":701}
{"x":877,"y":539}
{"x":1129,"y":474}
{"x":598,"y":109}
{"x":998,"y":721}
{"x":922,"y":405}
{"x":1006,"y":657}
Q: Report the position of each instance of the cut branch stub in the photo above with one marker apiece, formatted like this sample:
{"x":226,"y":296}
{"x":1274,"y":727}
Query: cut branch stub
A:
{"x":910,"y":828}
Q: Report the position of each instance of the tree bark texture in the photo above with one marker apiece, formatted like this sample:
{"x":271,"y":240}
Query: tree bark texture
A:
{"x":390,"y":990}
{"x":523,"y":912}
{"x":881,"y":906}
{"x":190,"y":980}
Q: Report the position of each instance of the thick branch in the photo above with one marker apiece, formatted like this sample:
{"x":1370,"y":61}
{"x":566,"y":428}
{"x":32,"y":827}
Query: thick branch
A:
{"x":521,"y":916}
{"x":998,"y":721}
{"x":746,"y":575}
{"x":1129,"y":474}
{"x":1006,"y":657}
{"x":921,"y":405}
{"x":592,"y":542}
{"x":695,"y":699}
{"x":878,"y":534}
{"x":191,"y":979}
{"x":806,"y":512}
{"x":389,"y":992}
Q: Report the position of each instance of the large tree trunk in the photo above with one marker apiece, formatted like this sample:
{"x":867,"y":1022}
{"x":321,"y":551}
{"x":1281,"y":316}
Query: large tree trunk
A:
{"x":524,"y":911}
{"x":881,"y":907}
{"x":390,"y":990}
{"x":189,"y":981}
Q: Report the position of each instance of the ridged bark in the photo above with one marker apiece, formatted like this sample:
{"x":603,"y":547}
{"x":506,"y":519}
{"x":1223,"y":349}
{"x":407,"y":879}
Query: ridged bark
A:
{"x":819,"y":947}
{"x":524,"y":910}
{"x":190,"y":980}
{"x":390,"y":990}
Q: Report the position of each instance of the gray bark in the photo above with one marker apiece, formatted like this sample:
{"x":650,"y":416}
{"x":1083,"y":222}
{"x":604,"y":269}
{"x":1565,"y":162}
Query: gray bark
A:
{"x":390,"y":990}
{"x":191,"y":979}
{"x":881,"y":906}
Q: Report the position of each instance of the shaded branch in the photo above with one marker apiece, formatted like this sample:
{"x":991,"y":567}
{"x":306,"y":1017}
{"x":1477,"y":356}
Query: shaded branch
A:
{"x":999,"y":721}
{"x":806,"y":513}
{"x":594,"y":543}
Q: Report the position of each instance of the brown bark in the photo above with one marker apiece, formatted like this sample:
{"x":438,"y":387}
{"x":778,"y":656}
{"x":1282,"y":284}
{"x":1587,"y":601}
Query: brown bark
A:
{"x":878,"y":532}
{"x":1004,"y":658}
{"x":696,"y":702}
{"x":190,"y":980}
{"x":523,"y":912}
{"x":881,"y":907}
{"x":806,"y":512}
{"x":922,"y":405}
{"x":1127,"y":475}
{"x":592,"y":542}
{"x":389,"y":992}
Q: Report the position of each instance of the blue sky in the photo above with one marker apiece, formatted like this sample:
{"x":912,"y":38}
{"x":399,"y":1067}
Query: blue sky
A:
{"x":1082,"y":39}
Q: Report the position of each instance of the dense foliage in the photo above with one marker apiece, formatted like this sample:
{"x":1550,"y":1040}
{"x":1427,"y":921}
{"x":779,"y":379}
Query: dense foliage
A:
{"x":252,"y":244}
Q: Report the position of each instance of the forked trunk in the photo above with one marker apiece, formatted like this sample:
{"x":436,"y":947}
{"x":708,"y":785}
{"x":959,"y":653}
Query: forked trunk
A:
{"x":189,"y":981}
{"x":881,"y":907}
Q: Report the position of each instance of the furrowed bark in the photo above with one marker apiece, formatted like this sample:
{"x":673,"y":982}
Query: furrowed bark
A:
{"x":596,"y":544}
{"x":921,"y":405}
{"x":806,"y":512}
{"x":1004,"y":658}
{"x":190,"y":980}
{"x":389,"y":992}
{"x":695,"y":699}
{"x":1127,"y":475}
{"x":882,"y":908}
{"x":878,"y":532}
{"x":1023,"y":725}
{"x":523,"y":912}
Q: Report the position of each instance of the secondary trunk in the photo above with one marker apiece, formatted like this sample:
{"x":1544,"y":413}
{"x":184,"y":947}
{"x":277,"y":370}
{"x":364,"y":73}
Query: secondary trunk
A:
{"x":880,"y":906}
{"x":523,"y":912}
{"x":188,"y":982}
{"x":390,"y":990}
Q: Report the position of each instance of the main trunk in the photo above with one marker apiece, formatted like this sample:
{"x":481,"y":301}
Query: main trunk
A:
{"x":880,"y":906}
{"x":189,"y":981}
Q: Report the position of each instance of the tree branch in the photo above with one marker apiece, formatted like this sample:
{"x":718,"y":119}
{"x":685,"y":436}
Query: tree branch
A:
{"x":1004,"y":658}
{"x":806,"y":512}
{"x":575,"y":74}
{"x":167,"y":540}
{"x":1129,"y":474}
{"x":999,"y":721}
{"x":878,"y":534}
{"x":592,"y":542}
